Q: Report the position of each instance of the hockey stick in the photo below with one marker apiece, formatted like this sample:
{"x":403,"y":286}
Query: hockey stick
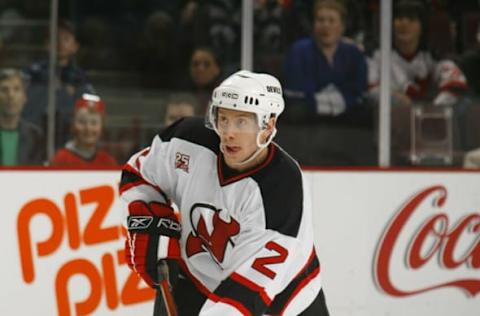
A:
{"x":164,"y":297}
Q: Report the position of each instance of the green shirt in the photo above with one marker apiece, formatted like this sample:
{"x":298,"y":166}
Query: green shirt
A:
{"x":9,"y":147}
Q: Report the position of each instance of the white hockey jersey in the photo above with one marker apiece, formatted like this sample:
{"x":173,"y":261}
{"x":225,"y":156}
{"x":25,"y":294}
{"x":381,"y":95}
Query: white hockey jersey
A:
{"x":247,"y":238}
{"x":418,"y":75}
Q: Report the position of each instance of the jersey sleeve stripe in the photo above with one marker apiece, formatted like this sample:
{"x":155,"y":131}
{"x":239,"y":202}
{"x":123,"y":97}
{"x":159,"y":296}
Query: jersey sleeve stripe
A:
{"x":246,"y":300}
{"x":132,"y":178}
{"x":237,"y":294}
{"x":253,"y":286}
{"x":302,"y":284}
{"x":202,"y":288}
{"x":143,"y":153}
{"x":238,"y":306}
{"x":309,"y":271}
{"x":311,"y":259}
{"x":207,"y":293}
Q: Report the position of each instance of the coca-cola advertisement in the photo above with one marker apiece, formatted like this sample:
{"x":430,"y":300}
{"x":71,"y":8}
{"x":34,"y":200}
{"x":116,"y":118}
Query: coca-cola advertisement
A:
{"x":399,"y":243}
{"x":451,"y":244}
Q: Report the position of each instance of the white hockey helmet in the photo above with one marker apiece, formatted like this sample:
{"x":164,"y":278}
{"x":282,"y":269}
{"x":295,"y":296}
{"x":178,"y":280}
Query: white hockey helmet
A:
{"x":249,"y":92}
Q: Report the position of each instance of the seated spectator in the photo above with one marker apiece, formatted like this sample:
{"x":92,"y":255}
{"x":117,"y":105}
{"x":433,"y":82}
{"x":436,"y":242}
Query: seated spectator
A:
{"x":216,"y":24}
{"x":469,"y":63}
{"x":268,"y":36}
{"x":205,"y":75}
{"x":21,"y":142}
{"x":87,"y":125}
{"x":415,"y":75}
{"x":72,"y":83}
{"x":324,"y":74}
{"x":268,"y":16}
{"x":157,"y":59}
{"x":98,"y":49}
{"x":179,"y":106}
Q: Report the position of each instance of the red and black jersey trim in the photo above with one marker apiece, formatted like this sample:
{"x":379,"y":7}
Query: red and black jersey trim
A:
{"x":192,"y":129}
{"x":243,"y":294}
{"x":237,"y":291}
{"x":131,"y":178}
{"x":309,"y":272}
{"x":227,"y":175}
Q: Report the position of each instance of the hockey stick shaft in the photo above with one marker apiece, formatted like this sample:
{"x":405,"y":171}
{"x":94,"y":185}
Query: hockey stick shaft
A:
{"x":168,"y":298}
{"x":164,"y":294}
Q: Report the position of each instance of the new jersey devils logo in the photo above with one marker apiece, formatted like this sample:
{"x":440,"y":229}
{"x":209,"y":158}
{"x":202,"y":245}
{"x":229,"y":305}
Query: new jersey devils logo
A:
{"x":210,"y":232}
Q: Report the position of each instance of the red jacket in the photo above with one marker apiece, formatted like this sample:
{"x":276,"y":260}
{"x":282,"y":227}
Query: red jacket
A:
{"x":67,"y":158}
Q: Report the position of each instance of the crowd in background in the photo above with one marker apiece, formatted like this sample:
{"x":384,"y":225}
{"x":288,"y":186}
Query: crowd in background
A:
{"x":127,"y":69}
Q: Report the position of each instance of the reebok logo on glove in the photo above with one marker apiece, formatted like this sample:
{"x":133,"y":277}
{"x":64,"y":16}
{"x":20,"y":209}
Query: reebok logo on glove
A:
{"x":169,"y":224}
{"x":139,"y":222}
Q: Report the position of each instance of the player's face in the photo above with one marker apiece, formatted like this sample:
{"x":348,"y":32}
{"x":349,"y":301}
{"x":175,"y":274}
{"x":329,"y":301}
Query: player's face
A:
{"x":238,"y":135}
{"x":12,"y":97}
{"x":328,"y":27}
{"x":87,"y":127}
{"x":407,"y":29}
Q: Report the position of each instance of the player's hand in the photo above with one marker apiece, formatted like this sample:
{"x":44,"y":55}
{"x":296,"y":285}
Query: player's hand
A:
{"x":153,"y":233}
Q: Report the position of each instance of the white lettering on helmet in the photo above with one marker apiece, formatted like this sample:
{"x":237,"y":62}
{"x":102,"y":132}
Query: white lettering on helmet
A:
{"x":230,"y":95}
{"x":273,"y":89}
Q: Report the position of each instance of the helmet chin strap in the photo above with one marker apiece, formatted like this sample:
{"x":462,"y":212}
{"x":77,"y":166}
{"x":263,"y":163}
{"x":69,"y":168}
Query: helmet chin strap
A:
{"x":258,"y":151}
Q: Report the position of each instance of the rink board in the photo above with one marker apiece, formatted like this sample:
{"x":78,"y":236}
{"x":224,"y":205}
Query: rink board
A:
{"x":390,"y":243}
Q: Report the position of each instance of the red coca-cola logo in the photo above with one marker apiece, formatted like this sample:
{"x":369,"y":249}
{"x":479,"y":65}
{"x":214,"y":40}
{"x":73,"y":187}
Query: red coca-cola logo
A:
{"x":443,"y":238}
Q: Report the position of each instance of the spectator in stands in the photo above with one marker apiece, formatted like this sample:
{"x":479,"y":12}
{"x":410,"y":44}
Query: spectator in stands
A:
{"x":268,"y":19}
{"x":21,"y":142}
{"x":98,"y":49}
{"x":216,"y":24}
{"x":415,"y":75}
{"x":72,"y":83}
{"x":157,"y":53}
{"x":417,"y":78}
{"x":87,"y":125}
{"x":179,"y":105}
{"x":205,"y":75}
{"x":469,"y":62}
{"x":271,"y":20}
{"x":324,"y":74}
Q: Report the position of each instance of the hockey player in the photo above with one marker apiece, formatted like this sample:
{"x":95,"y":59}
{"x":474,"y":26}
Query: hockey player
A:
{"x":244,"y":238}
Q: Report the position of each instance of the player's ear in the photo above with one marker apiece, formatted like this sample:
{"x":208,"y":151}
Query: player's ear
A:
{"x":270,"y":127}
{"x":271,"y":124}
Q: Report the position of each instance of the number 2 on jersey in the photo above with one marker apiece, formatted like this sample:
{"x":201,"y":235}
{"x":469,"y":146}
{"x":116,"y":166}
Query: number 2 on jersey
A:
{"x":260,"y":263}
